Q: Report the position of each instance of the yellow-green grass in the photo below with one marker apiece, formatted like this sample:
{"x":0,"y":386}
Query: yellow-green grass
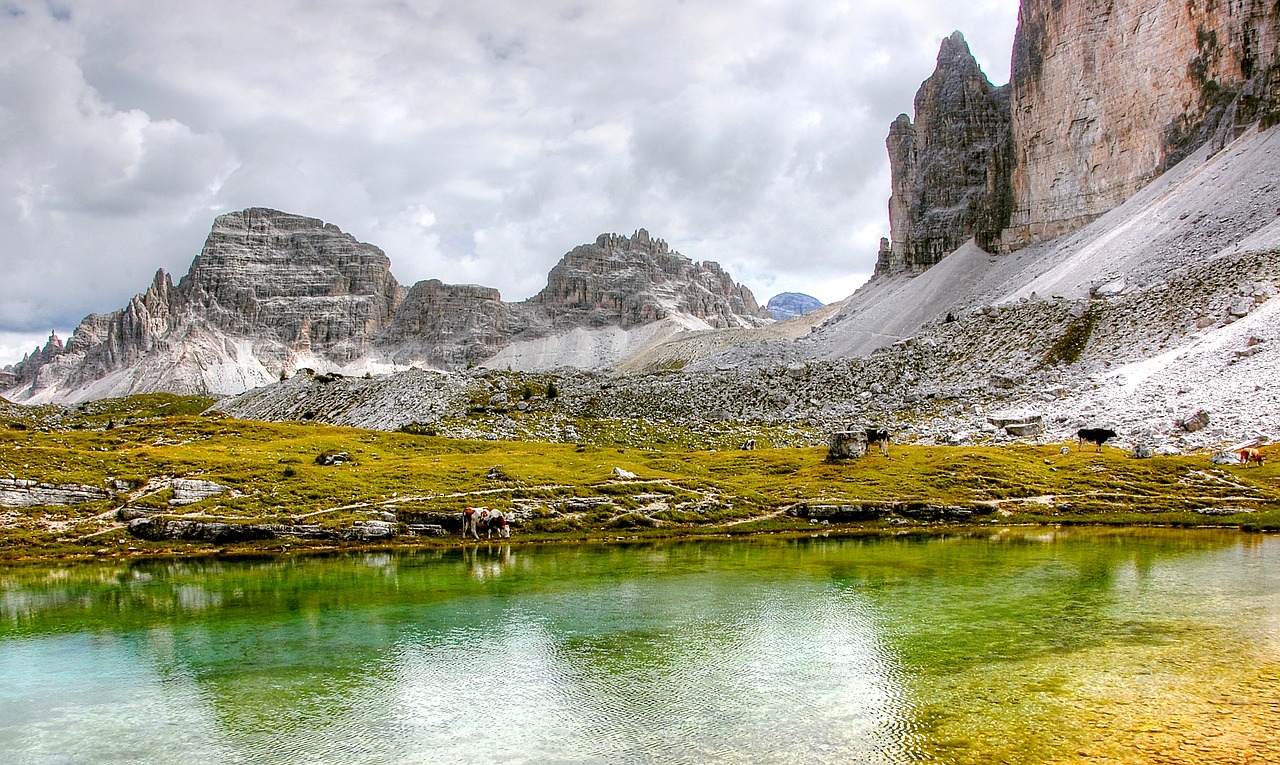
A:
{"x":678,"y":490}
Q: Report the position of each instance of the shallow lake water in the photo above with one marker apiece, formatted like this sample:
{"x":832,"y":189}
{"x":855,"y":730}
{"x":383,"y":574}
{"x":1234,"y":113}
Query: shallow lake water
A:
{"x":1025,"y":645}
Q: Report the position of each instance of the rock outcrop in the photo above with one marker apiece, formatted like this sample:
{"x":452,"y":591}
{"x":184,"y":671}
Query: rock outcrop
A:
{"x":18,"y":492}
{"x":272,"y":293}
{"x":1103,"y":98}
{"x":950,"y":169}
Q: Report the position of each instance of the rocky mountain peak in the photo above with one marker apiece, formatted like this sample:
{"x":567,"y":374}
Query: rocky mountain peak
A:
{"x":787,"y":305}
{"x":281,"y":255}
{"x":950,"y":168}
{"x":630,"y":281}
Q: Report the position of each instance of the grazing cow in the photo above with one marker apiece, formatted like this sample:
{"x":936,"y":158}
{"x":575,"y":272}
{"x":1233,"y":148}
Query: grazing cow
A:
{"x":878,"y":437}
{"x":1252,"y":455}
{"x":487,"y":518}
{"x":1097,"y":436}
{"x":748,"y":445}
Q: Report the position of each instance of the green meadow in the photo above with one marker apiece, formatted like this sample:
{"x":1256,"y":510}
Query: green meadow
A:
{"x":566,"y":491}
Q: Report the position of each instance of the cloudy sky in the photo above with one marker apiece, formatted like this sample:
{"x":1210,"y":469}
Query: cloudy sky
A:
{"x":475,"y":141}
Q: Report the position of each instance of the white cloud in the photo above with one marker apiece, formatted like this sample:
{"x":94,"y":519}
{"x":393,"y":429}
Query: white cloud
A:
{"x":473,"y":141}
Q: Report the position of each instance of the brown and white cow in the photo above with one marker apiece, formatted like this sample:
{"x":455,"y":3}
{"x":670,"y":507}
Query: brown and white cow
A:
{"x":1252,"y":454}
{"x":487,"y":518}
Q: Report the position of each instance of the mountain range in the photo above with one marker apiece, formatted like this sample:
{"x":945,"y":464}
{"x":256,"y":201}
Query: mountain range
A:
{"x":1094,"y":241}
{"x":273,"y":292}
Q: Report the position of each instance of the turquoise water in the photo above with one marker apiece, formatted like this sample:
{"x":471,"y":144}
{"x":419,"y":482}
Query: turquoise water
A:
{"x":1024,"y":646}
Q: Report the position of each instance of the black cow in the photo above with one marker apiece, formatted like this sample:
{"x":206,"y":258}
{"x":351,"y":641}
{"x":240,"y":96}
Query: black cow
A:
{"x":880,"y":437}
{"x":1097,"y":436}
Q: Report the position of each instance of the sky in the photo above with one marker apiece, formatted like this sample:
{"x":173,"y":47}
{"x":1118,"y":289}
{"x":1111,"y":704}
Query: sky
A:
{"x":474,"y":141}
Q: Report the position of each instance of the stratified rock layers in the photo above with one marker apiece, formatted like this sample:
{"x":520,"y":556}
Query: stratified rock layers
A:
{"x":299,"y":280}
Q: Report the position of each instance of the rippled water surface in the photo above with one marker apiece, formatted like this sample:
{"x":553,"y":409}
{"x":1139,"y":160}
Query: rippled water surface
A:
{"x":1025,"y":646}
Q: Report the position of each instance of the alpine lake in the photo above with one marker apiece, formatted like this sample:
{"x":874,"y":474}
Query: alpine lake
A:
{"x":1018,"y":645}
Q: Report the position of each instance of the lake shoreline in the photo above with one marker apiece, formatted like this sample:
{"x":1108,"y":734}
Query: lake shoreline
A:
{"x":275,"y":549}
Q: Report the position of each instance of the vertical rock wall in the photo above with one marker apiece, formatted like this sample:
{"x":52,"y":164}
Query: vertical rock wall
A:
{"x":1109,"y":93}
{"x":1104,"y":96}
{"x":950,"y":169}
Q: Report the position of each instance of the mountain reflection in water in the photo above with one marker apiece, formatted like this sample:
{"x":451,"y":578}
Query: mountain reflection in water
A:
{"x":1017,"y":645}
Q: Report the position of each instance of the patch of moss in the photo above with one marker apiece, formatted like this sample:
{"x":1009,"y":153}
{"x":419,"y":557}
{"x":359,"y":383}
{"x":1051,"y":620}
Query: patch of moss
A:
{"x":1069,"y":347}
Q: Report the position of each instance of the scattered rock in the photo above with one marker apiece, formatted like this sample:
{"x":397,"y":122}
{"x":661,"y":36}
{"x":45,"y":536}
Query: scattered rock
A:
{"x":625,"y":475}
{"x":332,"y":458}
{"x":1002,"y":420}
{"x":1004,"y":381}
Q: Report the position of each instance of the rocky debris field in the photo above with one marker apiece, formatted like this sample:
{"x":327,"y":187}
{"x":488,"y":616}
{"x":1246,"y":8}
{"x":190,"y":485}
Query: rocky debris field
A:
{"x":1137,"y":362}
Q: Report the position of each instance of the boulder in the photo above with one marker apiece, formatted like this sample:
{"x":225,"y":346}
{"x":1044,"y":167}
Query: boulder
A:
{"x":1024,"y":429}
{"x":1225,"y":458}
{"x":426,"y":530}
{"x":157,"y":529}
{"x":1194,"y":421}
{"x":840,"y":513}
{"x":846,"y":444}
{"x":368,"y":531}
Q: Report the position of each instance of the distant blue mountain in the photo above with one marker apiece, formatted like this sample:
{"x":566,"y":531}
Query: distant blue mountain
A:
{"x":789,"y":304}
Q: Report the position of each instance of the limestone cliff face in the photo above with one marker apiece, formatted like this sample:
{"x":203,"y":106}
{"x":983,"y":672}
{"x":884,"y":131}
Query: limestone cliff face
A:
{"x":950,"y":168}
{"x":1104,"y":96}
{"x":1109,"y":93}
{"x":298,"y":280}
{"x":630,"y":281}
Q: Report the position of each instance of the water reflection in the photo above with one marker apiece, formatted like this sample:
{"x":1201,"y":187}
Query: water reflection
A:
{"x":822,"y":650}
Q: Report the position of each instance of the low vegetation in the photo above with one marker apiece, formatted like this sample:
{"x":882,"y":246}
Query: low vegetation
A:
{"x":570,"y":491}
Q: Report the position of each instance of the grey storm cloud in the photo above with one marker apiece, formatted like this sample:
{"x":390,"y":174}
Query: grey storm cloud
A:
{"x":473,"y":141}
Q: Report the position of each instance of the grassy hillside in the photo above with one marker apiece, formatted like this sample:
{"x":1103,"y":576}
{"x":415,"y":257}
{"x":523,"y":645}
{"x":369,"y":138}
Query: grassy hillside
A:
{"x":566,"y":491}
